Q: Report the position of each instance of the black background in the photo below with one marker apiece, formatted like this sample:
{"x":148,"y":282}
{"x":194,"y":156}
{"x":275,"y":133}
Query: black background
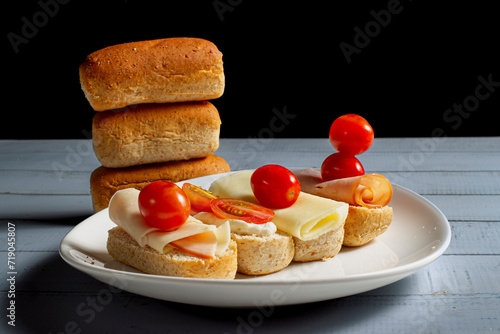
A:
{"x":278,"y":55}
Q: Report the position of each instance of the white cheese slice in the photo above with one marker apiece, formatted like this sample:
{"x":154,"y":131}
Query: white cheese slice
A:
{"x":310,"y":216}
{"x":159,"y":239}
{"x":124,"y":212}
{"x":223,"y":235}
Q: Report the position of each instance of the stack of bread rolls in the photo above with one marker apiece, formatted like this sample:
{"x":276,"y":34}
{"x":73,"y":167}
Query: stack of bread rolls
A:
{"x":153,"y":119}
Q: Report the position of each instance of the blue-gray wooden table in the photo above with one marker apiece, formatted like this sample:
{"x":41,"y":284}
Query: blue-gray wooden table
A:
{"x":44,"y":193}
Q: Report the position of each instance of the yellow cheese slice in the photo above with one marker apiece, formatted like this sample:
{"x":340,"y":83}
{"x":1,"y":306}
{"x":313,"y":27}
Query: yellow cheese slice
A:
{"x":124,"y":212}
{"x":310,"y":216}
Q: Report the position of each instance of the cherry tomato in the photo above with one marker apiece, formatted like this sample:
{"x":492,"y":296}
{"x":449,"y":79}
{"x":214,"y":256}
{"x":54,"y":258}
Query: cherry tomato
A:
{"x":164,"y":205}
{"x":275,"y":186}
{"x":351,"y":134}
{"x":230,"y":208}
{"x":198,"y":197}
{"x":340,"y":165}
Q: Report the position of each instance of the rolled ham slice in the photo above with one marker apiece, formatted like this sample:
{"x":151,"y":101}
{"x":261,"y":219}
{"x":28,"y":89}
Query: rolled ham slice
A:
{"x":369,"y":190}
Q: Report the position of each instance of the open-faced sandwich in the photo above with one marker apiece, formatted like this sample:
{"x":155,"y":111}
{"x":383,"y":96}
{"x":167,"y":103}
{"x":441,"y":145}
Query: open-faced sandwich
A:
{"x":367,"y":196}
{"x":315,"y":224}
{"x":342,"y":178}
{"x":156,"y":234}
{"x":262,"y":249}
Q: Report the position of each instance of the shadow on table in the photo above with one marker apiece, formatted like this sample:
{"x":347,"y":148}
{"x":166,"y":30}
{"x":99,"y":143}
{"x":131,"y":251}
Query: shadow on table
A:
{"x":44,"y":305}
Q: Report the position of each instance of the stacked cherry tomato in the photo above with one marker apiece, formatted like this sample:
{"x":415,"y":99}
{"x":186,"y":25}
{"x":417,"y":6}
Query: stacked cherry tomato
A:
{"x":350,"y":135}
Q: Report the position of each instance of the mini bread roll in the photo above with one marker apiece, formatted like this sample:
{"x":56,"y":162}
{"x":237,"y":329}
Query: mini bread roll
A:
{"x":261,"y":255}
{"x":151,"y":133}
{"x":156,"y":71}
{"x":104,"y":182}
{"x":262,"y":249}
{"x":364,"y":224}
{"x":322,"y":248}
{"x":123,"y":248}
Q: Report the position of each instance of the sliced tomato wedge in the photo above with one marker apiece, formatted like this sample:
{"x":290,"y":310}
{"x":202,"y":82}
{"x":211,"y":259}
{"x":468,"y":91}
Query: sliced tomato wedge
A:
{"x":198,"y":197}
{"x":230,"y":208}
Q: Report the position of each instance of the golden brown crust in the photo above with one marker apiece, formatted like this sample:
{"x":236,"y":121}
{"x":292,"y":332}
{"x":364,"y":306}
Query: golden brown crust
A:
{"x":104,"y":182}
{"x":363,"y":224}
{"x":125,"y":249}
{"x":151,"y":133}
{"x":263,"y":255}
{"x":322,"y":248}
{"x":156,"y":71}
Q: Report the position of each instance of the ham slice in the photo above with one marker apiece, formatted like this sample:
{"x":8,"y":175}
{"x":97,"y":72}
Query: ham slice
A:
{"x":369,"y":190}
{"x":202,"y":245}
{"x":194,"y":237}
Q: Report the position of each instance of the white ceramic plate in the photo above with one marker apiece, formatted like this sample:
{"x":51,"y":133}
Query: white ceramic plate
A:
{"x":418,"y":235}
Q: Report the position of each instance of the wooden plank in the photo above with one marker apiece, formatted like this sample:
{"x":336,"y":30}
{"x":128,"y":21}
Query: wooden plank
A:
{"x":44,"y":206}
{"x":455,"y":275}
{"x":356,"y":314}
{"x":84,"y":147}
{"x":34,"y":146}
{"x":61,"y":204}
{"x":21,"y":182}
{"x":460,"y":208}
{"x":395,"y":155}
{"x":417,"y":162}
{"x":450,"y":274}
{"x":321,"y":144}
{"x":449,"y":182}
{"x":28,"y":182}
{"x":38,"y":235}
{"x":468,"y":207}
{"x":243,"y":154}
{"x":57,"y":162}
{"x":389,"y":155}
{"x":473,"y":237}
{"x":428,"y":183}
{"x":426,"y":144}
{"x":423,"y":182}
{"x":47,"y":271}
{"x":373,"y":162}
